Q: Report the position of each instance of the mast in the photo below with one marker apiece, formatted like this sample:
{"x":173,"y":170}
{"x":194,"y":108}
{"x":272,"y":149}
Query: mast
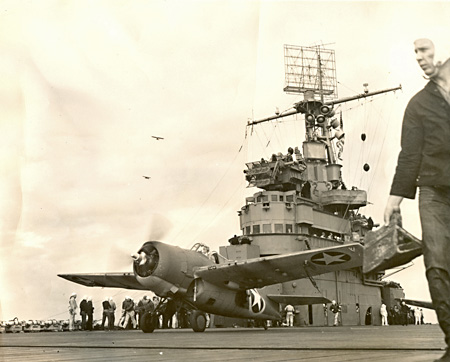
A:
{"x":311,"y":71}
{"x":299,"y":107}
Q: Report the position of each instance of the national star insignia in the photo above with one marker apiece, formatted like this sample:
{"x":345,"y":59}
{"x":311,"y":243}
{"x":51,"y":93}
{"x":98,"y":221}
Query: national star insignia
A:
{"x":327,"y":258}
{"x":256,"y":300}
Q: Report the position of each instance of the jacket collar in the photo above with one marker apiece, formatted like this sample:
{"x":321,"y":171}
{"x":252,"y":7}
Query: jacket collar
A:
{"x":433,"y":88}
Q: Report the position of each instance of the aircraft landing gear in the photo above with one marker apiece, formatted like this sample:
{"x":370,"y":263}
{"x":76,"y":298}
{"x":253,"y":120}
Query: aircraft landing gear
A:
{"x":148,"y":322}
{"x":197,"y":320}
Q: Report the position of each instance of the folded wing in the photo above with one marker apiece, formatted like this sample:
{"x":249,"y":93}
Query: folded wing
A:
{"x":298,"y":299}
{"x":417,"y":303}
{"x":259,"y":272}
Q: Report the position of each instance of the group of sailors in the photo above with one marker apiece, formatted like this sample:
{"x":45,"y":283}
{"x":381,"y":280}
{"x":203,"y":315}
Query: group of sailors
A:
{"x":131,"y":311}
{"x":399,"y":314}
{"x":404,"y":315}
{"x":130,"y":314}
{"x":289,"y":157}
{"x":81,"y":316}
{"x":169,"y":316}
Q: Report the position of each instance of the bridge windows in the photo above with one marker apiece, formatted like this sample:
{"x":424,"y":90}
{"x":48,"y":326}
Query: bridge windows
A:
{"x":272,"y":196}
{"x":262,"y":198}
{"x":267,"y":228}
{"x":278,"y":228}
{"x":289,"y":229}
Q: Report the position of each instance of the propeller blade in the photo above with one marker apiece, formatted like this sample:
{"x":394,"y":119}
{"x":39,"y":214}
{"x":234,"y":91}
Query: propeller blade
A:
{"x":159,"y":227}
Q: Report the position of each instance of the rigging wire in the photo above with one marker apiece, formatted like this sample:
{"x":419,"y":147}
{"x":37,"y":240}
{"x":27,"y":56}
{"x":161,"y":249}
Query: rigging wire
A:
{"x":218,"y":212}
{"x":264,"y":148}
{"x":357,"y":173}
{"x":381,"y":148}
{"x":375,"y":149}
{"x":211,"y":192}
{"x":363,"y":153}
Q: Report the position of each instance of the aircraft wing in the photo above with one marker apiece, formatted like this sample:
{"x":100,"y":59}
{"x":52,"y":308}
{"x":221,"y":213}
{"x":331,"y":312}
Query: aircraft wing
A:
{"x":108,"y":280}
{"x":417,"y":303}
{"x":298,"y":299}
{"x":259,"y":272}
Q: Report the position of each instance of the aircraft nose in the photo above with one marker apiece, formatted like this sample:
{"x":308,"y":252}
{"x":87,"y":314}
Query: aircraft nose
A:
{"x":143,"y":258}
{"x":140,"y":258}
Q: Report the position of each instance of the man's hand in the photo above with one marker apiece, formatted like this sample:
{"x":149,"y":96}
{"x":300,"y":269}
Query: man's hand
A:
{"x":393,"y":205}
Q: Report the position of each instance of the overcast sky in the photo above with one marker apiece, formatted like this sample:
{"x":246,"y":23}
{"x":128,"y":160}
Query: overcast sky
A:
{"x":84,"y":86}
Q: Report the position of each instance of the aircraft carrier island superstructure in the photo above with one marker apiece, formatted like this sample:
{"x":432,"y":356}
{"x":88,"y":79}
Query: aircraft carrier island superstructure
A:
{"x":303,"y":203}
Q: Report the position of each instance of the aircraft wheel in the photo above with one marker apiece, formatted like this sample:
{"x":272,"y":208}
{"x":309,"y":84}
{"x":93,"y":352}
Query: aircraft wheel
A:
{"x":197,"y":320}
{"x":148,"y":322}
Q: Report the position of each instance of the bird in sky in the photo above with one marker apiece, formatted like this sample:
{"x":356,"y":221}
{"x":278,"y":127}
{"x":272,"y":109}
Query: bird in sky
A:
{"x":146,"y":177}
{"x":158,"y":138}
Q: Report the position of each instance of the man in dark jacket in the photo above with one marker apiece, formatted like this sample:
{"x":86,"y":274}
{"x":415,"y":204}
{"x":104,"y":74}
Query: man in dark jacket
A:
{"x":90,"y":314}
{"x":83,"y":312}
{"x":144,"y":305}
{"x":106,"y":313}
{"x":404,"y":312}
{"x":128,"y":309}
{"x":424,"y":161}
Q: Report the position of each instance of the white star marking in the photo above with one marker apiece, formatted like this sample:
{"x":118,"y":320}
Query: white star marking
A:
{"x":256,"y":299}
{"x":328,"y":259}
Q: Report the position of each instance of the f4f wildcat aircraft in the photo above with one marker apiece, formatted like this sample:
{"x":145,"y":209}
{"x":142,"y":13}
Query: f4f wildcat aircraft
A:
{"x":205,"y":282}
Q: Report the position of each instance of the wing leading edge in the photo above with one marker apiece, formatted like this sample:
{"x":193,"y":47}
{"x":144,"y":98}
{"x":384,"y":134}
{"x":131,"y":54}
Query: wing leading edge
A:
{"x":108,"y":280}
{"x":298,"y":299}
{"x":259,"y":272}
{"x":417,"y":303}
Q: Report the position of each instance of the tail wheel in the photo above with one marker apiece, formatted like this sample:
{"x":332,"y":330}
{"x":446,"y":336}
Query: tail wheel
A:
{"x":197,"y":320}
{"x":148,"y":322}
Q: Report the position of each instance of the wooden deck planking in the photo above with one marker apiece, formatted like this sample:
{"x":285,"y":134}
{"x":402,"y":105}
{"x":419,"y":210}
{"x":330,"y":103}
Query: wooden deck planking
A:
{"x":328,"y":344}
{"x":113,"y":354}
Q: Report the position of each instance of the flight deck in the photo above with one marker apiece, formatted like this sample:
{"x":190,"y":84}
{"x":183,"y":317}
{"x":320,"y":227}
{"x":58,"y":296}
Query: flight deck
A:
{"x":330,"y":344}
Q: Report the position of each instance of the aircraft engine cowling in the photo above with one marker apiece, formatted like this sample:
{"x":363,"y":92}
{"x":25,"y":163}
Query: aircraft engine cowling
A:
{"x":166,"y":269}
{"x":233,"y":303}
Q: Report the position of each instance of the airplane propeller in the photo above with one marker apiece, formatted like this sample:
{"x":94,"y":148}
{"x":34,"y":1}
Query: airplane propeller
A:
{"x":146,"y":260}
{"x":118,"y":253}
{"x":119,"y":257}
{"x":159,"y":227}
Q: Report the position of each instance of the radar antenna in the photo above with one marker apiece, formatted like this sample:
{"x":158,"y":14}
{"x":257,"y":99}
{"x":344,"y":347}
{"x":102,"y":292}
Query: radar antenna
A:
{"x":311,"y":71}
